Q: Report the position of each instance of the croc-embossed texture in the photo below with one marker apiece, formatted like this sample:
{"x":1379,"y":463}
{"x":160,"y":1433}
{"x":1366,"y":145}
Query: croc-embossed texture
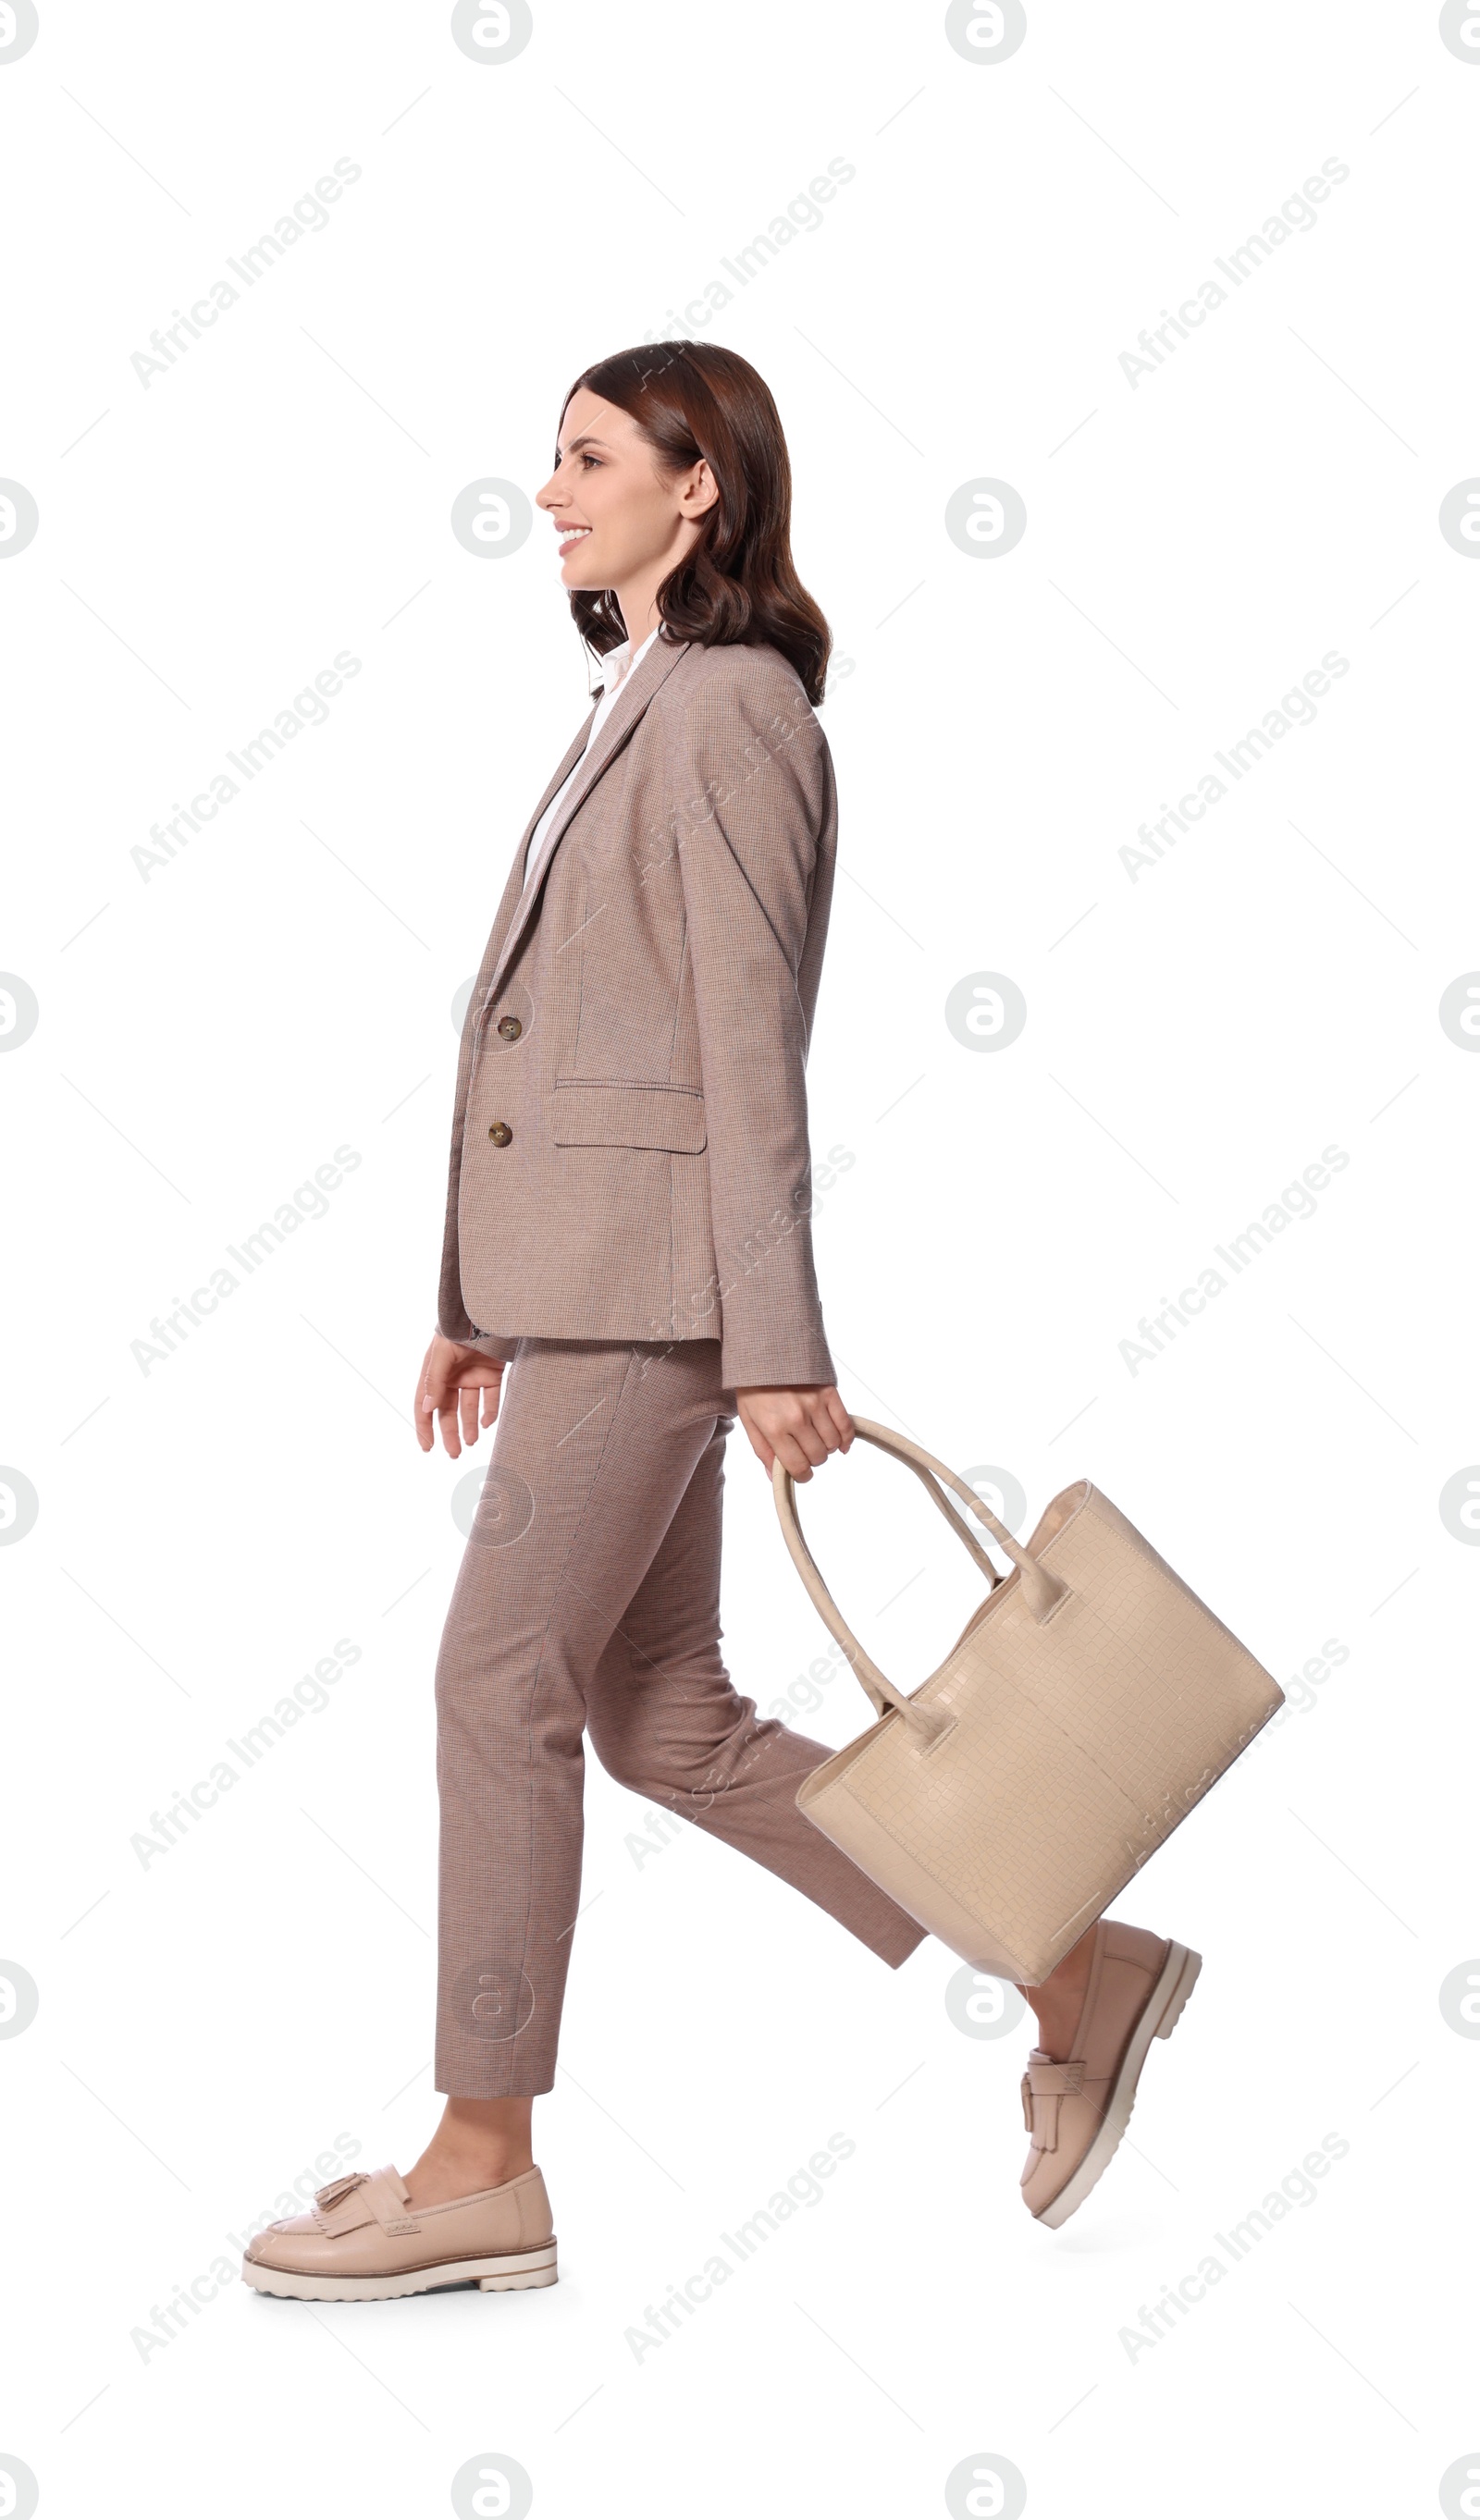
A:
{"x":1088,"y":1704}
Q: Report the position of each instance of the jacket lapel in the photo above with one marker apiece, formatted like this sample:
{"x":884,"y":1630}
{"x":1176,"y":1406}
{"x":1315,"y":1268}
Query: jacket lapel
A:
{"x":642,"y":682}
{"x":514,"y":884}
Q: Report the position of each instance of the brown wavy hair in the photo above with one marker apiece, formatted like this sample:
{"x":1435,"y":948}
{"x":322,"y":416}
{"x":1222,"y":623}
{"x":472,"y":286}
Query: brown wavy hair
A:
{"x":739,"y":585}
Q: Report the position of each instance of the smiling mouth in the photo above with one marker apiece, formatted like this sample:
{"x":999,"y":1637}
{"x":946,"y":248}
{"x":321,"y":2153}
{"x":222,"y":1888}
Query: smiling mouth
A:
{"x":570,"y":535}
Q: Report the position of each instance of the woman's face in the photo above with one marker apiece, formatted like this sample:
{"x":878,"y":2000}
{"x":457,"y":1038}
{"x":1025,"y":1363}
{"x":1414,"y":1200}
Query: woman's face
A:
{"x":617,"y":516}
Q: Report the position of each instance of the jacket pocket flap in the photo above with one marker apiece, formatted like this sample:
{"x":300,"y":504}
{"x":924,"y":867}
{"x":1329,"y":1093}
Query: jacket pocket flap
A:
{"x":629,"y":1115}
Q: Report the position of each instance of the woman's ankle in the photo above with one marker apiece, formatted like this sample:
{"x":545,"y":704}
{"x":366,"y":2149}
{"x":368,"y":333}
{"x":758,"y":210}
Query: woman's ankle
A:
{"x":445,"y":2172}
{"x":478,"y":2145}
{"x":1059,"y":2002}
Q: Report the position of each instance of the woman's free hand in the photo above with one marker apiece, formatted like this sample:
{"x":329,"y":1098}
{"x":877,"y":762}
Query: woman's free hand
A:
{"x":796,"y":1423}
{"x":452,"y":1377}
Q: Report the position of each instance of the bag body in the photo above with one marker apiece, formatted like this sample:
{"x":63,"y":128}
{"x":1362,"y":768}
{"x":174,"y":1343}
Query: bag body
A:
{"x":1089,"y":1703}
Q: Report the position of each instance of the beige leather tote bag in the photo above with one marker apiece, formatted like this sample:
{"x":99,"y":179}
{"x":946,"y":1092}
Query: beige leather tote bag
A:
{"x":1086,"y":1706}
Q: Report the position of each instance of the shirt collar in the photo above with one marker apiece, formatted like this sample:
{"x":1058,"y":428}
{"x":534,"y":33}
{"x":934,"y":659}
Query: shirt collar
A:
{"x":618,"y":662}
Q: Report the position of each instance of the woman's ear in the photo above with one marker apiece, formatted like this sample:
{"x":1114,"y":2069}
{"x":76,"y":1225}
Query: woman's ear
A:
{"x":701,"y":491}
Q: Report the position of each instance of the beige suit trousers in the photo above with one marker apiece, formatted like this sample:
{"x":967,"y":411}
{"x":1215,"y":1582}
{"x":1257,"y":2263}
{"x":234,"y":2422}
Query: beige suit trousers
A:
{"x":588,"y":1599}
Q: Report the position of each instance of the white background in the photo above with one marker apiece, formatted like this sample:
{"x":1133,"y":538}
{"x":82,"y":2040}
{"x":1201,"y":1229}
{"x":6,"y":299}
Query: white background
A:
{"x":211,"y":2022}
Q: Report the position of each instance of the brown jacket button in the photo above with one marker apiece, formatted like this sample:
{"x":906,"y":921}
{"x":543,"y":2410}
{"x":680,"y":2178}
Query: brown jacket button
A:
{"x":510,"y":1027}
{"x":500,"y":1134}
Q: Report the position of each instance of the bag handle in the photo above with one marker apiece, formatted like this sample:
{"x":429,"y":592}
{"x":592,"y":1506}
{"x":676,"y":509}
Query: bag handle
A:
{"x":1042,"y":1590}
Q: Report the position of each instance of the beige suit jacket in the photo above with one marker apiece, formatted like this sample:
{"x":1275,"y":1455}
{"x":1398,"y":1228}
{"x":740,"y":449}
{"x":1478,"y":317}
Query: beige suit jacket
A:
{"x":630,"y":1157}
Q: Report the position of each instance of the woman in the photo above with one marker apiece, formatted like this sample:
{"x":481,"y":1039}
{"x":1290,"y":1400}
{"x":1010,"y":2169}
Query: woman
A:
{"x":628,"y":1231}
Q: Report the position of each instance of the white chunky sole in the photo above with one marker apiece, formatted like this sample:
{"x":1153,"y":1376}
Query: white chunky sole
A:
{"x":523,"y":2272}
{"x":1178,"y":1976}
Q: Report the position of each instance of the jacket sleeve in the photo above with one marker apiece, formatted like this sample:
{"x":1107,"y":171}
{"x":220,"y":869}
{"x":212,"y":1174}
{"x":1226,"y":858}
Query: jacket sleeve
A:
{"x":498,"y":1350}
{"x":759,"y":795}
